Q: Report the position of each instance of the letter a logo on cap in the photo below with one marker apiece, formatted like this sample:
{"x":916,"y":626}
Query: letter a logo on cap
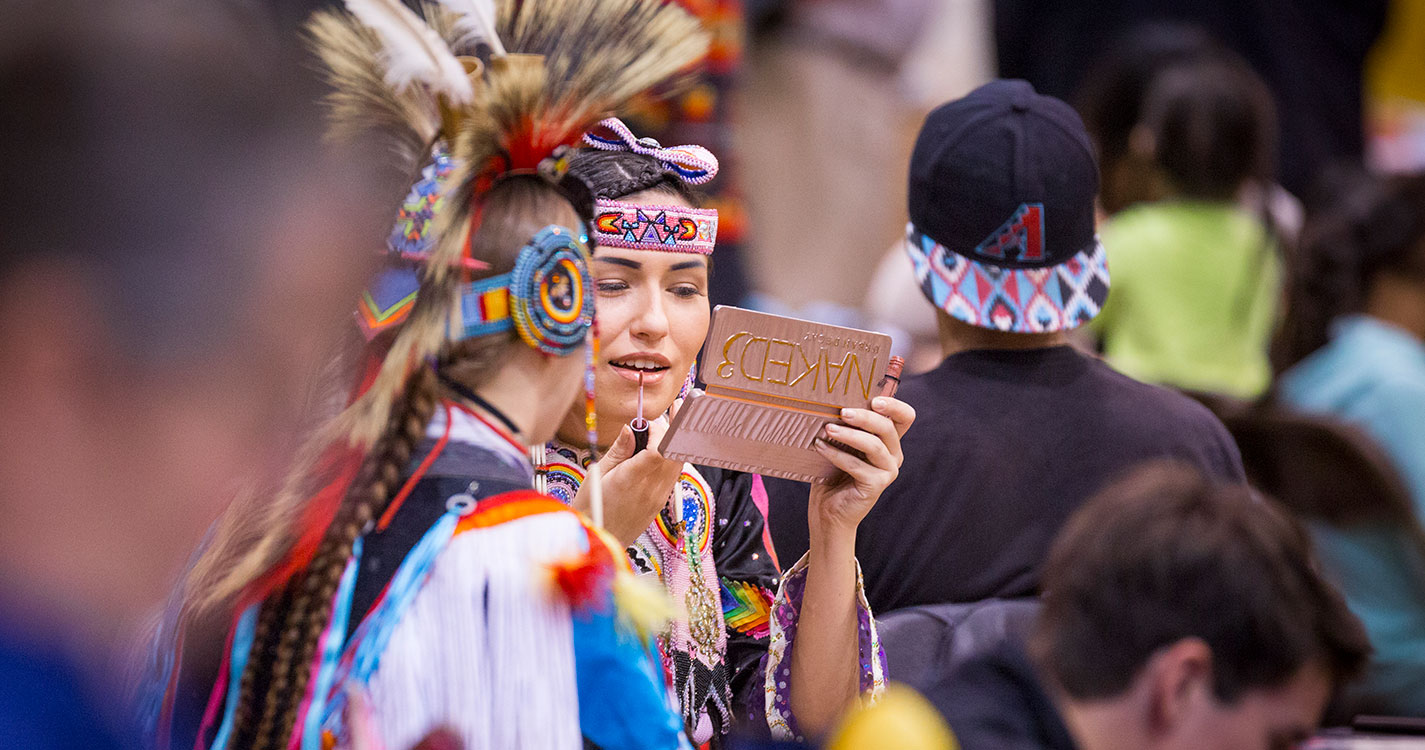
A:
{"x":1019,"y":239}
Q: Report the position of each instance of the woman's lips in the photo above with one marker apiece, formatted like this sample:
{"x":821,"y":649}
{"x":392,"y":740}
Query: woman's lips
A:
{"x":651,"y":368}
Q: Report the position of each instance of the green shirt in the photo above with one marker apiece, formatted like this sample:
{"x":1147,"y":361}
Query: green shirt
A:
{"x":1193,"y":296}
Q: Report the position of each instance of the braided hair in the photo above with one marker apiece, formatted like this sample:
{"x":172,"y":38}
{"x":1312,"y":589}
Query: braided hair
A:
{"x":293,"y":618}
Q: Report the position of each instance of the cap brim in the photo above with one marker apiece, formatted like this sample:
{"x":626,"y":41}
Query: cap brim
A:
{"x":1013,"y":300}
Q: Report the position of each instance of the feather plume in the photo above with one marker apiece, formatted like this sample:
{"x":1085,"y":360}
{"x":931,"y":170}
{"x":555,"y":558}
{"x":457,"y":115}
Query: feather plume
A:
{"x":476,"y":23}
{"x":413,"y":52}
{"x":600,"y":53}
{"x":571,"y":63}
{"x":361,"y":101}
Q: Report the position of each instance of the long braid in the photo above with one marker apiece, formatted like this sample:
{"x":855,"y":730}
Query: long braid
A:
{"x":281,"y":663}
{"x":388,"y":462}
{"x":300,"y":612}
{"x":269,"y":619}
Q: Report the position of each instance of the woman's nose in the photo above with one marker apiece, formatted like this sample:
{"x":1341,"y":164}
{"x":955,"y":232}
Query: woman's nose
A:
{"x":652,"y":320}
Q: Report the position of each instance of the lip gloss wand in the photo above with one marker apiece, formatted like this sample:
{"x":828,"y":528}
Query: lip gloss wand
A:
{"x":639,"y":423}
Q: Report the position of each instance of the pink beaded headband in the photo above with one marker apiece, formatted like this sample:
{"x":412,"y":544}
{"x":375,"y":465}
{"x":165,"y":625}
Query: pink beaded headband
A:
{"x":674,"y":229}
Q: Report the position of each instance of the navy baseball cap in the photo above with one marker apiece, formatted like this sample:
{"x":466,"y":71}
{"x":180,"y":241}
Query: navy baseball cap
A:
{"x":1001,"y":233}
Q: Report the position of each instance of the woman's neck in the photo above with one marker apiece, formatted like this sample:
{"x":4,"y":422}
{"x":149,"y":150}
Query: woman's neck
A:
{"x":512,"y":412}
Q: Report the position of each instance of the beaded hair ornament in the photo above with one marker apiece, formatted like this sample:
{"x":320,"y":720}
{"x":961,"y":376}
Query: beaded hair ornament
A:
{"x":676,"y":229}
{"x":546,"y":299}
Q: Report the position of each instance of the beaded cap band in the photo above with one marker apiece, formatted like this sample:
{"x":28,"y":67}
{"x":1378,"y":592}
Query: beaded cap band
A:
{"x":694,"y":164}
{"x":675,"y":229}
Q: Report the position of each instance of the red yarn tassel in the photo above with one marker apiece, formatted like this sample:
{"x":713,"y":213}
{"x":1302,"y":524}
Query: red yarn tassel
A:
{"x":585,"y":580}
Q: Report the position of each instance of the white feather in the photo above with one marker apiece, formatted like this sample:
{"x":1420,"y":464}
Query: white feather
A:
{"x":414,"y":52}
{"x":477,"y":21}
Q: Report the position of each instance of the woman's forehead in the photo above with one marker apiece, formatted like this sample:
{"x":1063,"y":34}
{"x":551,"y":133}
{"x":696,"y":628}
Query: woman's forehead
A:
{"x":649,"y":261}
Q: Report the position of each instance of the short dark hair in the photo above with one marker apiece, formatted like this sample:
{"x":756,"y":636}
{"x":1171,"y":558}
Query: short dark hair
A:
{"x":1214,"y":123}
{"x":1166,"y":554}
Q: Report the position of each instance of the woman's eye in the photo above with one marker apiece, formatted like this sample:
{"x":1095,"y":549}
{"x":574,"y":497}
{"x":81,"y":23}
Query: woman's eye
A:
{"x":611,"y":286}
{"x":687,"y":291}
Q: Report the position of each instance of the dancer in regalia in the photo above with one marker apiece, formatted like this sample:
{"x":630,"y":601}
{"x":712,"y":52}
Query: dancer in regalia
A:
{"x":408,"y":579}
{"x":699,"y":529}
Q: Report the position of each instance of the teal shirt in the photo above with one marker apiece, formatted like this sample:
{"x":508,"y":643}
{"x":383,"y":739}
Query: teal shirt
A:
{"x":1372,"y":375}
{"x":1192,"y":297}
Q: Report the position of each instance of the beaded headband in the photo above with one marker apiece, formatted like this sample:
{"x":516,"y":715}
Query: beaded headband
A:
{"x":694,"y":164}
{"x":675,"y":229}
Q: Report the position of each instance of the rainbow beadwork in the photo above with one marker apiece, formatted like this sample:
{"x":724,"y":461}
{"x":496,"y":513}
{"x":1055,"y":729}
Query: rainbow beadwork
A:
{"x":548,"y":299}
{"x":552,"y":293}
{"x":642,"y":227}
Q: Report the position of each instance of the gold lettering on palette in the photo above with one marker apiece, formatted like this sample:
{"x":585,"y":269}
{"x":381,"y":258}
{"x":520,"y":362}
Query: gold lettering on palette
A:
{"x":789,"y":358}
{"x":773,"y":384}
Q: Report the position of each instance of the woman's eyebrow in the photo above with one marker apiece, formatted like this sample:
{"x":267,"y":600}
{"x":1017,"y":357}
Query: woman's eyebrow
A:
{"x":625,"y":262}
{"x":688,"y":264}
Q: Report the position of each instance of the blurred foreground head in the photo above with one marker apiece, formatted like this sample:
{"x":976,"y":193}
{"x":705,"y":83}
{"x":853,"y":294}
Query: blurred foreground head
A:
{"x":1180,"y":613}
{"x":174,"y":245}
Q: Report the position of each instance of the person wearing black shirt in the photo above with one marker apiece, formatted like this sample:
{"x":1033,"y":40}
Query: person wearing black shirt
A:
{"x":1178,"y":613}
{"x":1016,"y":428}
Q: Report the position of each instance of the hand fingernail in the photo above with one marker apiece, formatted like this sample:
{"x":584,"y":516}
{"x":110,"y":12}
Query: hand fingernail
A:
{"x":878,"y":402}
{"x":848,"y":413}
{"x":834,"y":429}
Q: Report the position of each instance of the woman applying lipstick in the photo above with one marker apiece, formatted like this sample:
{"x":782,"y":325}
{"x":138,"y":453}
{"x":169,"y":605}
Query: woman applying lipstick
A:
{"x":699,"y":528}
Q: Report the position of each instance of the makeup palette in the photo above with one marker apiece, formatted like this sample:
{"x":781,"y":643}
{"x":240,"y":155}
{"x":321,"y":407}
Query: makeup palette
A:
{"x":773,"y":383}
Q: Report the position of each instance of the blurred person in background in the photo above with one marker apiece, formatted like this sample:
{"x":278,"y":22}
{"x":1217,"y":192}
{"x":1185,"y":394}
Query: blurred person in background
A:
{"x":1395,"y":91}
{"x":1196,"y":276}
{"x":173,"y":246}
{"x":1178,"y":613}
{"x":1311,"y":53}
{"x":829,"y":102}
{"x":1017,"y":428}
{"x":1354,"y":341}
